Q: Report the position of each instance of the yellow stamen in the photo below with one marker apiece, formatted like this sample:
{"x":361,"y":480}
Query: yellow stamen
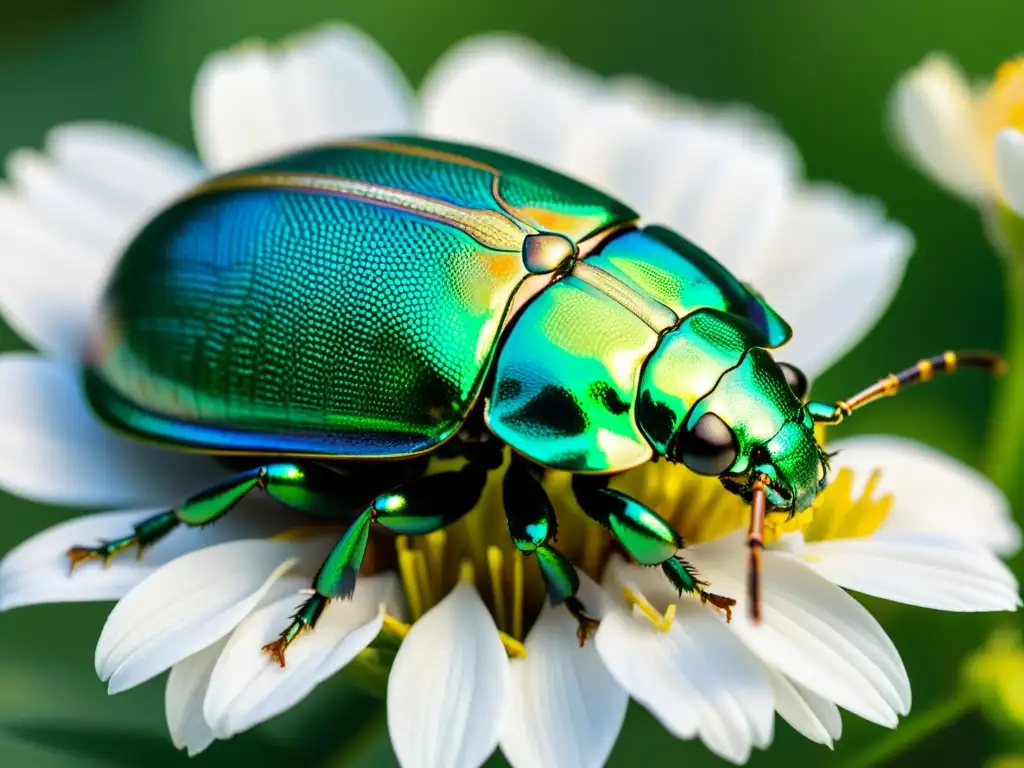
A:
{"x":593,"y":546}
{"x":435,"y":545}
{"x":300,"y":532}
{"x":662,"y":622}
{"x":395,"y":627}
{"x":467,"y":571}
{"x":1001,"y":106}
{"x":513,"y":647}
{"x":840,"y":515}
{"x":518,"y":587}
{"x":496,"y":566}
{"x":410,"y":576}
{"x":821,"y":432}
{"x":426,"y":593}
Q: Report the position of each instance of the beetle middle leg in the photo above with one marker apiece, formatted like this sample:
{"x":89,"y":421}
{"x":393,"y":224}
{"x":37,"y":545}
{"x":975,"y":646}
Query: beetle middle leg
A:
{"x":532,"y":526}
{"x":645,"y":535}
{"x":424,"y":505}
{"x":305,"y":486}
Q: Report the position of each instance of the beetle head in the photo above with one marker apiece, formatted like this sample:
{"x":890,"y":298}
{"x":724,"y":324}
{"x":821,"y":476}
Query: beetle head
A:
{"x":791,"y":464}
{"x":752,"y":424}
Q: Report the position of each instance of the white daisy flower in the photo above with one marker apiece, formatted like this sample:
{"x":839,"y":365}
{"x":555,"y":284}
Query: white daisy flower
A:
{"x":966,"y":136}
{"x":478,"y":661}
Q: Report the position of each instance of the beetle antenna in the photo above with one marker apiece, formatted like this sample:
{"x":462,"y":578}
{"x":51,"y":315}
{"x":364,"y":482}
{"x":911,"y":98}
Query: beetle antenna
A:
{"x":755,"y":540}
{"x":922,"y":370}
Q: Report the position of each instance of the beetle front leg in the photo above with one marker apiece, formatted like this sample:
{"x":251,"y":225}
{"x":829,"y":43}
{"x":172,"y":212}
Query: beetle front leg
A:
{"x":422,"y":506}
{"x":645,"y":535}
{"x":305,"y":487}
{"x":532,"y":526}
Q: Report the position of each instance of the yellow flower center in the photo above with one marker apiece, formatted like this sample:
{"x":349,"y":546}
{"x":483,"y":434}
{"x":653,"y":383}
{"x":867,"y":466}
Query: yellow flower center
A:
{"x":1000,"y":106}
{"x":478,"y":547}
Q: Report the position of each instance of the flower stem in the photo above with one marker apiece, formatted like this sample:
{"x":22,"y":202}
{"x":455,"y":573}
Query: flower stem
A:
{"x":1006,"y":436}
{"x":915,"y":730}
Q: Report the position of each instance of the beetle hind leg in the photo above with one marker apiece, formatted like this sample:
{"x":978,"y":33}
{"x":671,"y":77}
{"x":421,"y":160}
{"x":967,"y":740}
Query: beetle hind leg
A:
{"x":532,"y":525}
{"x":645,"y":535}
{"x":422,"y":506}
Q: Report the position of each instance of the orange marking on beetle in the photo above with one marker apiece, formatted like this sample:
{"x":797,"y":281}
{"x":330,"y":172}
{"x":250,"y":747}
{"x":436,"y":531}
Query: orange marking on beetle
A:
{"x":535,"y":219}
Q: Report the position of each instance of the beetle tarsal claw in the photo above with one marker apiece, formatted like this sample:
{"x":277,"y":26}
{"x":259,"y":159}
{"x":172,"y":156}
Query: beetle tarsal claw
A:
{"x":585,"y":629}
{"x":104,"y":551}
{"x":724,"y":604}
{"x":585,"y":624}
{"x":79,"y":555}
{"x":303,"y":619}
{"x":277,"y":648}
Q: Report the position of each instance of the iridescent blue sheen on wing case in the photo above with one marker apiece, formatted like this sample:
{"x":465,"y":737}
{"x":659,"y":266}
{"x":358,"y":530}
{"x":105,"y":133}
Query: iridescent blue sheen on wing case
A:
{"x":344,"y":301}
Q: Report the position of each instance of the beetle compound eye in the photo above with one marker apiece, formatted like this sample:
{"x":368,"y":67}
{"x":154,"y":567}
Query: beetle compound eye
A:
{"x":710,"y":448}
{"x":796,"y":379}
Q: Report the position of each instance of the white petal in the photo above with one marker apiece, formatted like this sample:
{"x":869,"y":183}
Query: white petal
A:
{"x":449,"y":686}
{"x":931,"y":571}
{"x":507,"y":93}
{"x":185,"y":606}
{"x":932,"y":492}
{"x":696,"y":678}
{"x":725,"y":182}
{"x":811,"y":631}
{"x":618,"y":144}
{"x":810,"y":715}
{"x":931,"y":118}
{"x":722,"y":179}
{"x":645,"y":665}
{"x":183,"y":699}
{"x":54,"y":450}
{"x":248,"y":688}
{"x":565,"y":708}
{"x":1010,"y":167}
{"x":65,"y":218}
{"x":37,"y":570}
{"x":831,"y":269}
{"x":255,"y":100}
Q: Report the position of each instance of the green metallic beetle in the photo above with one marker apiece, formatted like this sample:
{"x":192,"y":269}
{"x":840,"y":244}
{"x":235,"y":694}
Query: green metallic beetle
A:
{"x":390,"y":298}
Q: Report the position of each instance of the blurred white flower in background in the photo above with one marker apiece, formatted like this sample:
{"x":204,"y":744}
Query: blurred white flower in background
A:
{"x":968,"y":138}
{"x":965,"y":136}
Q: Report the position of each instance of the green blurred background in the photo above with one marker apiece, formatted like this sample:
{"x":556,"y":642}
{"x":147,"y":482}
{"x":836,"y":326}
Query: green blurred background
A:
{"x":822,"y":70}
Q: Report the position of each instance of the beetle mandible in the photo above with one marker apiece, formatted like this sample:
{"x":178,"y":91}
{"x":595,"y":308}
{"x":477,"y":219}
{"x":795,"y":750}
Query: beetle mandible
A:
{"x":389,"y":298}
